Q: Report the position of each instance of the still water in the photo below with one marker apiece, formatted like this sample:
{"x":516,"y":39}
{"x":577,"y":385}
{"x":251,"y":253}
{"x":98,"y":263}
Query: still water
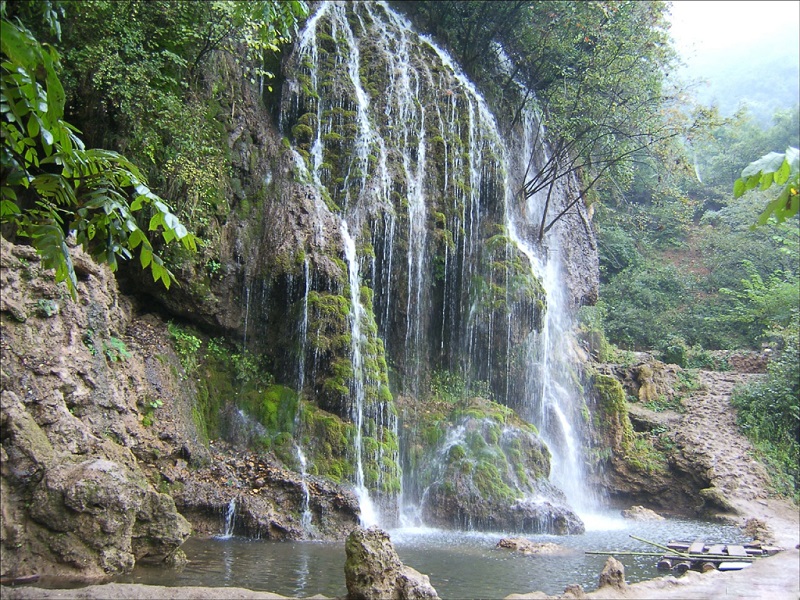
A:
{"x":460,"y":564}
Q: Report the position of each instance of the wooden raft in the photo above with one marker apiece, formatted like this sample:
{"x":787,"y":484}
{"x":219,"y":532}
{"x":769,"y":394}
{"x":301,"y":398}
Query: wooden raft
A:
{"x":700,"y":556}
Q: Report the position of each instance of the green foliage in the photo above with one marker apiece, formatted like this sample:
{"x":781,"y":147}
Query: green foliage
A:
{"x":148,"y":418}
{"x":778,"y":169}
{"x":662,"y":403}
{"x":187,"y":345}
{"x":759,"y":305}
{"x":711,"y":280}
{"x":646,"y":304}
{"x":769,"y":411}
{"x":53,"y":186}
{"x":617,"y":250}
{"x":452,"y":388}
{"x":115,"y":350}
{"x":138,"y":78}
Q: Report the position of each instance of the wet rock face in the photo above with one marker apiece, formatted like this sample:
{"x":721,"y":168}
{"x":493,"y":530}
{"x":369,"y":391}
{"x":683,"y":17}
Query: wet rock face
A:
{"x":373,"y":570}
{"x":267,"y":498}
{"x":75,"y":500}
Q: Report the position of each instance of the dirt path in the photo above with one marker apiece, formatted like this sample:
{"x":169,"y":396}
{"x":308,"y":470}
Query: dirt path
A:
{"x":709,"y":436}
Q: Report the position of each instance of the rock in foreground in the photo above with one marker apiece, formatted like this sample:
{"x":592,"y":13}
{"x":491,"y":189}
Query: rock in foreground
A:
{"x":373,"y":570}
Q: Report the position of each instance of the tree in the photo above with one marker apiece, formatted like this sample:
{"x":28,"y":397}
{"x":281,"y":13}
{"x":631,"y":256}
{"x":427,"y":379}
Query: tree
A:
{"x":598,"y":70}
{"x":53,"y":187}
{"x":150,"y":80}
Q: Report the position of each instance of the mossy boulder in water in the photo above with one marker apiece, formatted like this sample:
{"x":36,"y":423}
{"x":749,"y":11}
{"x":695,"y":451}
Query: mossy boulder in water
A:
{"x":489,"y":471}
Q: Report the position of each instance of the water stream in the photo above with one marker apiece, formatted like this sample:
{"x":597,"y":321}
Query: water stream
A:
{"x":230,"y":521}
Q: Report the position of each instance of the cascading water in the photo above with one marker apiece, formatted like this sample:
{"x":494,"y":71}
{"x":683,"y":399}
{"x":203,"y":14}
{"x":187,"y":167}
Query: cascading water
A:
{"x":301,"y":457}
{"x":369,"y":515}
{"x":553,"y":401}
{"x":390,"y":132}
{"x":230,"y":520}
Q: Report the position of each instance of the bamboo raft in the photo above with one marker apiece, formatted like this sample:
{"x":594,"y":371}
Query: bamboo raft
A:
{"x":700,"y":556}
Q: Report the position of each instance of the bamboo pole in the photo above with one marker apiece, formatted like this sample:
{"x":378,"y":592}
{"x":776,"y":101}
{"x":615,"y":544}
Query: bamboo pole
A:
{"x":670,"y":550}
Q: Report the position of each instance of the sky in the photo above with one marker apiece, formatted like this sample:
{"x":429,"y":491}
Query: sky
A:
{"x":712,"y":26}
{"x":746,"y":52}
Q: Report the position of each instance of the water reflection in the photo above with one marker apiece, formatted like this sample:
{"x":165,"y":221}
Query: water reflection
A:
{"x":460,"y":564}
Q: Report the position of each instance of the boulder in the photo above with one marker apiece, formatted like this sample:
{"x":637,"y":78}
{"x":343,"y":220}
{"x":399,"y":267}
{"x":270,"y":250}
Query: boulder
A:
{"x":100,"y":512}
{"x":574,"y":591}
{"x":374,"y":570}
{"x":490,"y":472}
{"x":640,"y":513}
{"x":613,"y":575}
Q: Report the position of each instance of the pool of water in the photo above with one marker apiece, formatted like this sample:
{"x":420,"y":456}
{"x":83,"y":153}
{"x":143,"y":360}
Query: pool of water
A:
{"x":460,"y":564}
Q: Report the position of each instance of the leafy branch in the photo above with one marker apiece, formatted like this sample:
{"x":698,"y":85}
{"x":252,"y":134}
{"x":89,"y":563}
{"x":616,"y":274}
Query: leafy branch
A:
{"x":53,"y":187}
{"x":774,"y":169}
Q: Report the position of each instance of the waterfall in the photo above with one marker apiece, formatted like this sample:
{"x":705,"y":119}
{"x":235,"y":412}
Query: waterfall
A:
{"x":369,"y":515}
{"x":387,"y":130}
{"x":230,"y":519}
{"x":552,"y":400}
{"x":306,"y":519}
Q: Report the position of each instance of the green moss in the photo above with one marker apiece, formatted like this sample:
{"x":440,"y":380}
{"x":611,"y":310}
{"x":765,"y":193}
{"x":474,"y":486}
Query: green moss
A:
{"x":456,"y":453}
{"x":302,"y":134}
{"x":611,"y":419}
{"x":644,"y":457}
{"x":610,"y":395}
{"x":487,"y":479}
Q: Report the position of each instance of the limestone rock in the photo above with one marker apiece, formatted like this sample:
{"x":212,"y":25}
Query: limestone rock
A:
{"x":716,"y":498}
{"x":525,"y":546}
{"x":574,"y":591}
{"x":613,"y":575}
{"x":640,"y":513}
{"x":373,"y":569}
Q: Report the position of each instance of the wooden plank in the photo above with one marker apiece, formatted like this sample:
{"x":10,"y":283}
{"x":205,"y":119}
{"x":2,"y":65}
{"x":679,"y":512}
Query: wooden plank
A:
{"x":680,"y":546}
{"x":733,"y":566}
{"x":734,"y":550}
{"x":696,"y":547}
{"x":716,"y":549}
